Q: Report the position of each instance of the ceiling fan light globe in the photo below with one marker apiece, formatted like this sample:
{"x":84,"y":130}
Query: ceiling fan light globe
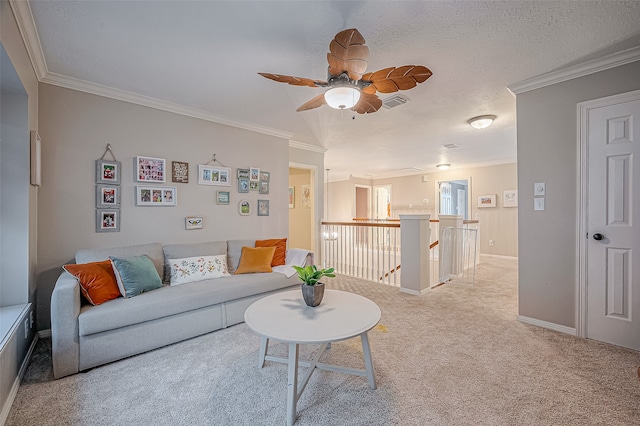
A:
{"x":342,"y":97}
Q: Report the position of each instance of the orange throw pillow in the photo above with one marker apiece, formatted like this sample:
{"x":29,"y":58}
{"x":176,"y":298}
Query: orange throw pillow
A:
{"x":255,"y":260}
{"x":280,"y":256}
{"x":97,"y":281}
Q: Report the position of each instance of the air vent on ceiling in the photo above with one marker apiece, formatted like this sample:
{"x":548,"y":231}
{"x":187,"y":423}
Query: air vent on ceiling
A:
{"x":394,"y":101}
{"x":450,"y":145}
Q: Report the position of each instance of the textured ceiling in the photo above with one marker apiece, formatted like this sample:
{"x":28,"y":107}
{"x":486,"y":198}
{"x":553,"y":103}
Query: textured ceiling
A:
{"x":206,"y":55}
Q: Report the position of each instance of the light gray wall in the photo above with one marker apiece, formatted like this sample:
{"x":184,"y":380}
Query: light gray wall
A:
{"x":75,"y":128}
{"x":499,"y":224}
{"x":548,"y":152}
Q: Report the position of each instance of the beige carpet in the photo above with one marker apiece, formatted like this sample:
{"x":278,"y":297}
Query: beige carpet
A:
{"x":456,"y":356}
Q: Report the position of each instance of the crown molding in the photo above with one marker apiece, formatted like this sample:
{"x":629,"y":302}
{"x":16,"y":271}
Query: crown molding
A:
{"x":580,"y":70}
{"x":29,"y":33}
{"x":307,"y":147}
{"x":134,"y":98}
{"x":27,"y":27}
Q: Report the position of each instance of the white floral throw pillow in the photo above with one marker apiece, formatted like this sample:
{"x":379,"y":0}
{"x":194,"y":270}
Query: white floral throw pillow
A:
{"x":198,"y":268}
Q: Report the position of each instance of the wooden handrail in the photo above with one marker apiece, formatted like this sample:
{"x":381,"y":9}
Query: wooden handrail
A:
{"x":363,"y":220}
{"x":371,"y":224}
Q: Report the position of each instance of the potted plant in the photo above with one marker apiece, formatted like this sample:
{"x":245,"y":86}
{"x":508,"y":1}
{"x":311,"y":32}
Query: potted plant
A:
{"x":312,"y":289}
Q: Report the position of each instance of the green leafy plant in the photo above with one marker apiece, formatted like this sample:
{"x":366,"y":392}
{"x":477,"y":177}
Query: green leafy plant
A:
{"x":310,"y":275}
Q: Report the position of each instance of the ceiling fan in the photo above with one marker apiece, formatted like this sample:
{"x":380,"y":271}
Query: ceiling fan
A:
{"x":349,"y":86}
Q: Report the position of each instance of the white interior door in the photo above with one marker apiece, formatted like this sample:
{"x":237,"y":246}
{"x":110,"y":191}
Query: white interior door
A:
{"x":445,"y":198}
{"x":613,"y":225}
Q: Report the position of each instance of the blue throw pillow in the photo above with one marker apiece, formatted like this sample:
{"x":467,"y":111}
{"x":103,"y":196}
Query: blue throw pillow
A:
{"x":135,"y":275}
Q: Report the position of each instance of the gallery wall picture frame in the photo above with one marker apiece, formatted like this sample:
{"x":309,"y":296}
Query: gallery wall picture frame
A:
{"x":253,"y":186}
{"x":213,"y":175}
{"x":156,"y":196}
{"x":254,"y":174}
{"x":179,"y":172}
{"x":510,"y":198}
{"x":36,"y":159}
{"x":243,"y":185}
{"x":107,"y":220}
{"x":486,"y":200}
{"x":263,"y":187}
{"x":265,"y":176}
{"x":263,"y":207}
{"x":107,"y":196}
{"x":244,"y":208}
{"x":223,"y":197}
{"x":150,"y":169}
{"x":292,"y":197}
{"x":108,"y":172}
{"x":243,"y":173}
{"x":193,"y":222}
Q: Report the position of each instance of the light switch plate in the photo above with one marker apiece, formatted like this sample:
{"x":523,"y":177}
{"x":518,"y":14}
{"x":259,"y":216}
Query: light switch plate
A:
{"x":538,"y":203}
{"x":539,"y":188}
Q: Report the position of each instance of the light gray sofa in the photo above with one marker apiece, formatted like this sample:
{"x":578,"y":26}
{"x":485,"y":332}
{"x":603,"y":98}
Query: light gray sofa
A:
{"x":85,"y":336}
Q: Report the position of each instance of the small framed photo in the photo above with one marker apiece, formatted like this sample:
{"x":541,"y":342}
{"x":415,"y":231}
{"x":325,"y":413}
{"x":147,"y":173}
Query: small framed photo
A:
{"x":107,"y":196}
{"x":510,"y":198}
{"x":265,"y":176}
{"x":263,"y":187}
{"x":243,"y":173}
{"x":108,"y":172}
{"x":487,"y":200}
{"x":292,"y":197}
{"x":244,"y":208}
{"x":179,"y":172}
{"x":156,"y":196}
{"x":263,"y":207}
{"x":108,"y":220}
{"x":253,"y":186}
{"x":149,"y":169}
{"x":211,"y":175}
{"x":243,"y":185}
{"x":193,"y":222}
{"x":254,"y":174}
{"x":223,"y":197}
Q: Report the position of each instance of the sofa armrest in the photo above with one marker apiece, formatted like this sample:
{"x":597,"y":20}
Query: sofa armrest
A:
{"x":65,"y":309}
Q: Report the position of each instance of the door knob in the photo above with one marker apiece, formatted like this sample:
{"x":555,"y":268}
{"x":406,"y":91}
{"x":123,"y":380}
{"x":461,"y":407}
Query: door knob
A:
{"x":598,"y":237}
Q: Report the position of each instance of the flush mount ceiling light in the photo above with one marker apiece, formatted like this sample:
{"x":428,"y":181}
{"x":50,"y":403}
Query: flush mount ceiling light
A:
{"x":443,"y":166}
{"x":342,"y":97}
{"x":481,"y":122}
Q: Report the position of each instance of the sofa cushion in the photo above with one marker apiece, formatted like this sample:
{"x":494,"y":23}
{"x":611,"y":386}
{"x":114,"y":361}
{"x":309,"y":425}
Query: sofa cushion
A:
{"x":255,"y":259}
{"x":171,"y":300}
{"x":181,"y":251}
{"x":135,"y":275}
{"x":153,"y":250}
{"x":198,"y":268}
{"x":97,"y":281}
{"x":280,"y":255}
{"x":234,"y":251}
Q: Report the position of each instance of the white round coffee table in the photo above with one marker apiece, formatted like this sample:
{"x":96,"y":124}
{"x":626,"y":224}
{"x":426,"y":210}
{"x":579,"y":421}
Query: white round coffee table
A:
{"x":286,"y":318}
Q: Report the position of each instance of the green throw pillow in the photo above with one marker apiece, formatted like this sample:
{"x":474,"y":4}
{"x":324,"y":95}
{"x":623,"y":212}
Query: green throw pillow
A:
{"x":135,"y":275}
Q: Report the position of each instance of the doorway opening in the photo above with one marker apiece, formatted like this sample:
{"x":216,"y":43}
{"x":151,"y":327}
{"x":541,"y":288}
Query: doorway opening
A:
{"x":362,"y":195}
{"x":454,"y":197}
{"x":382,"y":202}
{"x":302,"y":217}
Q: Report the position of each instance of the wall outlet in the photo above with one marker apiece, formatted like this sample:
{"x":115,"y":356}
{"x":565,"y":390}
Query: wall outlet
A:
{"x":425,"y":201}
{"x":492,"y":243}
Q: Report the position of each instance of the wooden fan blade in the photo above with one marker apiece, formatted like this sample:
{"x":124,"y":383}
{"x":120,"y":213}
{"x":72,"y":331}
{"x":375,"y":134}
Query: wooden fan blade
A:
{"x":392,"y":79}
{"x":347,"y":53}
{"x":367,"y":104}
{"x":316,"y":102}
{"x":294,"y":81}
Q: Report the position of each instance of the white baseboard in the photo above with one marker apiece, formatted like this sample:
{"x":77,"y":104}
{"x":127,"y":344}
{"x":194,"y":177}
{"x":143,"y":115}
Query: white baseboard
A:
{"x":44,"y":333}
{"x":414,"y":292}
{"x":499,"y":256}
{"x":16,"y":384}
{"x":549,"y":325}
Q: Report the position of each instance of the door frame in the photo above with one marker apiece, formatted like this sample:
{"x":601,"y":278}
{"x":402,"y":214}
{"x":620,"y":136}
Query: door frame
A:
{"x":317,"y":214}
{"x":437,"y":195}
{"x":583,"y":197}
